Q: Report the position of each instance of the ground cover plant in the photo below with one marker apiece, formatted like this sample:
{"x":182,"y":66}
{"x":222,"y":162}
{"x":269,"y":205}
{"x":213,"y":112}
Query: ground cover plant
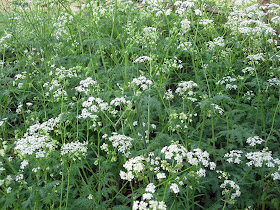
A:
{"x":139,"y":105}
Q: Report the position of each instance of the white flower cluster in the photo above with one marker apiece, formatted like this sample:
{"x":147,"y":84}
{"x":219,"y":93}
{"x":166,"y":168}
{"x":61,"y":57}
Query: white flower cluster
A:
{"x":248,"y":21}
{"x":93,"y":105}
{"x":253,"y":141}
{"x":148,"y":195}
{"x":23,"y":164}
{"x":2,"y":121}
{"x":84,"y":85}
{"x":227,"y":81}
{"x":155,"y":164}
{"x":133,"y":165}
{"x":168,"y":95}
{"x":59,"y":92}
{"x":249,"y":70}
{"x":45,"y":126}
{"x":60,"y":25}
{"x":184,"y":46}
{"x":119,"y":101}
{"x":182,"y":6}
{"x":35,"y":144}
{"x":142,"y":59}
{"x":255,"y":27}
{"x":150,"y":188}
{"x":62,"y":73}
{"x":198,"y":12}
{"x":259,"y":158}
{"x":150,"y":35}
{"x":172,"y":162}
{"x":2,"y":40}
{"x":234,"y":156}
{"x":205,"y":21}
{"x":185,"y":89}
{"x":276,"y":175}
{"x":249,"y":94}
{"x":52,"y":85}
{"x":174,"y":150}
{"x":74,"y":148}
{"x":155,"y":205}
{"x":1,"y":168}
{"x":227,"y":191}
{"x":185,"y":25}
{"x":217,"y":107}
{"x":122,"y":143}
{"x":219,"y":41}
{"x":273,"y":82}
{"x":143,"y":82}
{"x":86,"y":114}
{"x":18,"y":110}
{"x":199,"y":156}
{"x":275,"y":20}
{"x":256,"y":57}
{"x":174,"y":188}
{"x":55,"y":88}
{"x":17,"y":77}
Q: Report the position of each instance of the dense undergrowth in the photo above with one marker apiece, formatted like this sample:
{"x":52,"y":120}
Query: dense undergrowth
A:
{"x":139,"y":104}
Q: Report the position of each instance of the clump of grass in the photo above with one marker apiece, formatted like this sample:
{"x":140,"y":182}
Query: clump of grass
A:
{"x":144,"y":105}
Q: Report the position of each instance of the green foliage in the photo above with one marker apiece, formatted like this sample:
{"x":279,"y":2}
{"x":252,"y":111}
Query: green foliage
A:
{"x":116,"y":104}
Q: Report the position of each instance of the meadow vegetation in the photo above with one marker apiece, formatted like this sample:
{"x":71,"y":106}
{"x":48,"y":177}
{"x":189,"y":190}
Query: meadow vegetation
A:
{"x":150,"y":104}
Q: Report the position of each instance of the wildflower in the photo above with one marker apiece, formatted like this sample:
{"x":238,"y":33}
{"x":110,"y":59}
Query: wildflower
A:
{"x":23,"y":164}
{"x":140,"y":205}
{"x":147,"y":196}
{"x":84,"y":85}
{"x":184,"y":46}
{"x":122,"y":143}
{"x":205,"y":21}
{"x":252,"y":141}
{"x":18,"y":110}
{"x":185,"y":89}
{"x":35,"y":169}
{"x":201,"y":172}
{"x":2,"y":121}
{"x":248,"y":69}
{"x":227,"y":81}
{"x":273,"y":82}
{"x":9,"y":190}
{"x":174,"y":150}
{"x":276,"y":176}
{"x":34,"y":143}
{"x":219,"y":41}
{"x":74,"y":148}
{"x":234,"y":156}
{"x":168,"y":95}
{"x":86,"y":114}
{"x":258,"y":158}
{"x":19,"y":177}
{"x":161,"y":175}
{"x":142,"y":59}
{"x":220,"y":110}
{"x":150,"y":188}
{"x":234,"y":186}
{"x":143,"y":82}
{"x":174,"y":188}
{"x":198,"y":12}
{"x":119,"y":101}
{"x":185,"y":24}
{"x":256,"y":57}
{"x":105,"y":147}
{"x":90,"y":197}
{"x":249,"y":94}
